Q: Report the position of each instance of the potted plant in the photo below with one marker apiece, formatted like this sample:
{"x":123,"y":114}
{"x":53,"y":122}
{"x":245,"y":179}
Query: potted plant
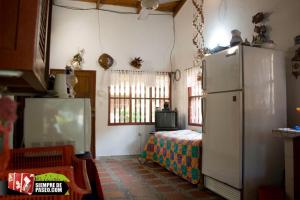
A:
{"x":7,"y":117}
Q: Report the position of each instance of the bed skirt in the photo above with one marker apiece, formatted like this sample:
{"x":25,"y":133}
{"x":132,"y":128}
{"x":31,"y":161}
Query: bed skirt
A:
{"x":177,"y":151}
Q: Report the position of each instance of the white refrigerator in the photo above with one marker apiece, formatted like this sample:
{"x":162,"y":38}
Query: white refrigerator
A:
{"x":245,"y":98}
{"x":58,"y":121}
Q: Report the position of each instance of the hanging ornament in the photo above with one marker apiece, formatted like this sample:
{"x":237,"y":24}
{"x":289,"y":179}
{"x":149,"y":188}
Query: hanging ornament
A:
{"x":77,"y":60}
{"x":137,"y":62}
{"x":198,"y":38}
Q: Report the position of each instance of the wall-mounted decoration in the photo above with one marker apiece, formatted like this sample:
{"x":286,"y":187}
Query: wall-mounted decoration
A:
{"x":77,"y":60}
{"x":105,"y":61}
{"x":236,"y":37}
{"x":176,"y":75}
{"x":258,"y":18}
{"x":137,"y":62}
{"x":296,"y":58}
{"x":198,"y":38}
{"x":261,"y":35}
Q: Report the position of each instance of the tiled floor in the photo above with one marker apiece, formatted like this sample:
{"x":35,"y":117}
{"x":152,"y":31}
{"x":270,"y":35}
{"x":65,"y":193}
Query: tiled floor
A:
{"x":124,"y":178}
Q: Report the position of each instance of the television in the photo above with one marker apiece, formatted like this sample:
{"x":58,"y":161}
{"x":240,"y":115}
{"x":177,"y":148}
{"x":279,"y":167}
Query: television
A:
{"x":165,"y":120}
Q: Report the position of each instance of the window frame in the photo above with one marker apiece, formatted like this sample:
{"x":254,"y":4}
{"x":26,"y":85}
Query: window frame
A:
{"x":136,"y":98}
{"x":190,"y":97}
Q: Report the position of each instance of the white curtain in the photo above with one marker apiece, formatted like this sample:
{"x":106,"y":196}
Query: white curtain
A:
{"x":192,"y":76}
{"x":126,"y":79}
{"x":194,"y":83}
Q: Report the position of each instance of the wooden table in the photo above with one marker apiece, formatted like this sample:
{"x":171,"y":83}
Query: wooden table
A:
{"x":292,"y":161}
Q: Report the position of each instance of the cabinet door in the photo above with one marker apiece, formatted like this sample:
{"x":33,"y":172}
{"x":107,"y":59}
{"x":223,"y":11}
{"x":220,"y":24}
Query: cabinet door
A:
{"x":86,"y":85}
{"x":9,"y":14}
{"x":17,"y":33}
{"x":24,"y":43}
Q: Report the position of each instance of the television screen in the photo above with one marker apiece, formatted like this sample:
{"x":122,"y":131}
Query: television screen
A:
{"x":165,"y":120}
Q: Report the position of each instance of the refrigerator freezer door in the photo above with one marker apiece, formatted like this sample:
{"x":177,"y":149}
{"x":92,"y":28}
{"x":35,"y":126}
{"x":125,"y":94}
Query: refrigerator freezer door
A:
{"x":222,"y":138}
{"x":223,"y":71}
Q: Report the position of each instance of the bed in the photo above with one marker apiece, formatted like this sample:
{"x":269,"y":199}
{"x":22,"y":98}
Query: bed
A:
{"x":177,"y":151}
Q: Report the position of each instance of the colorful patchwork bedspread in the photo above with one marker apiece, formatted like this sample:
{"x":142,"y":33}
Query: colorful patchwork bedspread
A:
{"x":177,"y":151}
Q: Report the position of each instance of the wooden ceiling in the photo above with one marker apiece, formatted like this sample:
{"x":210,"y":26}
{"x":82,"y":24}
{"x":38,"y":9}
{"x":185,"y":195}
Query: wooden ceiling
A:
{"x":173,"y":6}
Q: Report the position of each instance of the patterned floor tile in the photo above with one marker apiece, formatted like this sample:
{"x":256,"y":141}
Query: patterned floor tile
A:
{"x":176,"y":196}
{"x":165,"y":188}
{"x":110,"y":187}
{"x":124,"y":178}
{"x":114,"y":194}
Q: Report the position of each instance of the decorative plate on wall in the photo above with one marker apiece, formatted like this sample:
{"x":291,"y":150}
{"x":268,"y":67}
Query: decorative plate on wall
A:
{"x":105,"y":61}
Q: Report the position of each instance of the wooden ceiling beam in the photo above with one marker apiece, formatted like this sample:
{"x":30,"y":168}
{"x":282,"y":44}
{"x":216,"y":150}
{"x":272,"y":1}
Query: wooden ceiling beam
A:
{"x":178,"y":7}
{"x":89,"y":1}
{"x":125,"y":3}
{"x":98,"y":3}
{"x":167,"y":7}
{"x":138,"y":7}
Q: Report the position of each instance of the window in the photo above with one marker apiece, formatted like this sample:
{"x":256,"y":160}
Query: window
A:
{"x":134,"y":96}
{"x":194,"y":97}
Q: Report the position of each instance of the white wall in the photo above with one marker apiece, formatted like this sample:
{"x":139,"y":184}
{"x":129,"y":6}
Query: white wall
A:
{"x":182,"y":58}
{"x":123,"y":37}
{"x":221,"y":16}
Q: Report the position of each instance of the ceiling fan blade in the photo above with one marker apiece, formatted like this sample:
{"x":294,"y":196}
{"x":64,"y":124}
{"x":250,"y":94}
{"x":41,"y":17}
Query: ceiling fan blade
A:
{"x":167,"y":1}
{"x":144,"y":14}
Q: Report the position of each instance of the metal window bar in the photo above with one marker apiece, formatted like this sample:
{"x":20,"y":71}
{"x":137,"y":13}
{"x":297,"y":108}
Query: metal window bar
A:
{"x":119,"y":102}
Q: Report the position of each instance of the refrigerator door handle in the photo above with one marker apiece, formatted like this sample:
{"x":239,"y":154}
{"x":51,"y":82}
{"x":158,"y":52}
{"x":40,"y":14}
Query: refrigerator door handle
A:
{"x":203,"y":112}
{"x":203,"y":75}
{"x":230,"y":54}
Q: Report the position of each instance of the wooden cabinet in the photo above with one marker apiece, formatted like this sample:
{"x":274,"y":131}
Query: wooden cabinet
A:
{"x":24,"y":44}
